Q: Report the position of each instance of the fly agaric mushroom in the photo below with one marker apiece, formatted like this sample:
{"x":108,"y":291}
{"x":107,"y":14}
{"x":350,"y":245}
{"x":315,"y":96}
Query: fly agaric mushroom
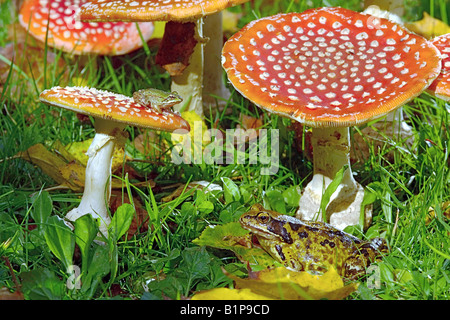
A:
{"x":393,"y":126}
{"x":112,"y":112}
{"x":194,"y":83}
{"x":328,"y":69}
{"x":441,"y":86}
{"x":77,"y":37}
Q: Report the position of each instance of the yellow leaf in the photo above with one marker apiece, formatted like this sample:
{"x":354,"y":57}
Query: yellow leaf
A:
{"x":228,"y":294}
{"x":198,"y":134}
{"x":158,"y":30}
{"x":445,"y":209}
{"x":428,"y":27}
{"x":78,"y":151}
{"x":282,"y":283}
{"x":68,"y":174}
{"x":80,"y":82}
{"x":230,"y":21}
{"x":73,"y":173}
{"x":196,"y":122}
{"x":49,"y":163}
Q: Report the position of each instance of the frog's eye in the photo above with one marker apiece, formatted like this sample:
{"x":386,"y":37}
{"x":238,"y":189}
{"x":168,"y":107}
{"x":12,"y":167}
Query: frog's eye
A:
{"x":263,"y":217}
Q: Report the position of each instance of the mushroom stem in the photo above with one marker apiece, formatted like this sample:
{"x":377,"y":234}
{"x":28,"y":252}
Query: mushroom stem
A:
{"x":97,"y":188}
{"x":213,"y":83}
{"x":189,"y":84}
{"x":331,"y":152}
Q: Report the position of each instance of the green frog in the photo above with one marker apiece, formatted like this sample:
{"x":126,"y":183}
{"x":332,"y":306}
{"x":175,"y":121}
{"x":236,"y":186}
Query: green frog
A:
{"x":311,"y":246}
{"x":158,"y":100}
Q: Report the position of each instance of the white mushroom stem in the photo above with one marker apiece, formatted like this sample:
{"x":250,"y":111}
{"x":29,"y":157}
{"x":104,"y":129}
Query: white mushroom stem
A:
{"x":213,"y":82}
{"x":189,"y":85}
{"x":331,"y":153}
{"x":97,"y":188}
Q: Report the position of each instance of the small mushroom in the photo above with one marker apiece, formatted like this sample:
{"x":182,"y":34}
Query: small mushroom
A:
{"x":328,"y":69}
{"x":112,"y":112}
{"x":193,"y":82}
{"x":441,"y":86}
{"x":69,"y":35}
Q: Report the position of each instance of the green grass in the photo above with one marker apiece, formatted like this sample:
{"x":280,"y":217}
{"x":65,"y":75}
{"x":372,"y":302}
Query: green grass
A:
{"x":417,"y":267}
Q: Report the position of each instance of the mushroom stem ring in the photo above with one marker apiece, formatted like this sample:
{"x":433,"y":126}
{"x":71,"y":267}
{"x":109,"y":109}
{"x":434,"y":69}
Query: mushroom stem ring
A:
{"x":331,"y":153}
{"x":97,"y":187}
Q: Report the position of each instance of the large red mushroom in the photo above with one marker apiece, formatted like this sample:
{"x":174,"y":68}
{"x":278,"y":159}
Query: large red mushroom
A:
{"x":330,"y":69}
{"x":54,"y":21}
{"x":441,"y":86}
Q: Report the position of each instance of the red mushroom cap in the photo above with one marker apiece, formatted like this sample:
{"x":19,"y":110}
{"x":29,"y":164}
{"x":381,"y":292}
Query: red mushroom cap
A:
{"x":329,"y":66}
{"x":111,"y":106}
{"x":67,"y":34}
{"x":441,"y":86}
{"x":152,"y":10}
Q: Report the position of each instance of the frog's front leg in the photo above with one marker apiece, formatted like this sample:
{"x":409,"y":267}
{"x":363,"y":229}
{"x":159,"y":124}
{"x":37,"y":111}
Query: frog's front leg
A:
{"x":355,"y":266}
{"x":157,"y":108}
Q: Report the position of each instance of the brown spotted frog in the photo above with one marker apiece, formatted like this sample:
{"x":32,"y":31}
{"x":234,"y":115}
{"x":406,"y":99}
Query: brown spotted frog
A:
{"x":156,"y":99}
{"x":311,"y":246}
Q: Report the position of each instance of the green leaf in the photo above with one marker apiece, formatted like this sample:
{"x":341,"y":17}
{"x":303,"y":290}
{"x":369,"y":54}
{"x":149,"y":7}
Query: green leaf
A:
{"x":42,"y":208}
{"x":231,"y":190}
{"x":217,"y":236}
{"x":292,"y":196}
{"x":85,"y":232}
{"x":227,"y":237}
{"x":188,"y":209}
{"x":206,"y":207}
{"x":121,"y":221}
{"x":276,"y":201}
{"x":60,"y":240}
{"x":42,"y":284}
{"x":99,"y":266}
{"x":195,"y":262}
{"x":332,"y":187}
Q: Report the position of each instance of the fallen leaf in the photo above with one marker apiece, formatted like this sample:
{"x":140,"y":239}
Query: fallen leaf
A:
{"x":69,"y":174}
{"x":176,"y":47}
{"x":199,"y":131}
{"x":428,"y":27}
{"x":230,"y":21}
{"x":205,"y":185}
{"x":78,"y":151}
{"x":228,"y":294}
{"x":141,"y":218}
{"x":249,"y":122}
{"x":49,"y":163}
{"x":444,"y":207}
{"x":282,"y":283}
{"x":6,"y":294}
{"x":74,"y":174}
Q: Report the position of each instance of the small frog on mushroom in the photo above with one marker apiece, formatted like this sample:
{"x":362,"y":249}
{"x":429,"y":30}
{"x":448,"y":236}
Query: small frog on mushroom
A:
{"x":156,"y":99}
